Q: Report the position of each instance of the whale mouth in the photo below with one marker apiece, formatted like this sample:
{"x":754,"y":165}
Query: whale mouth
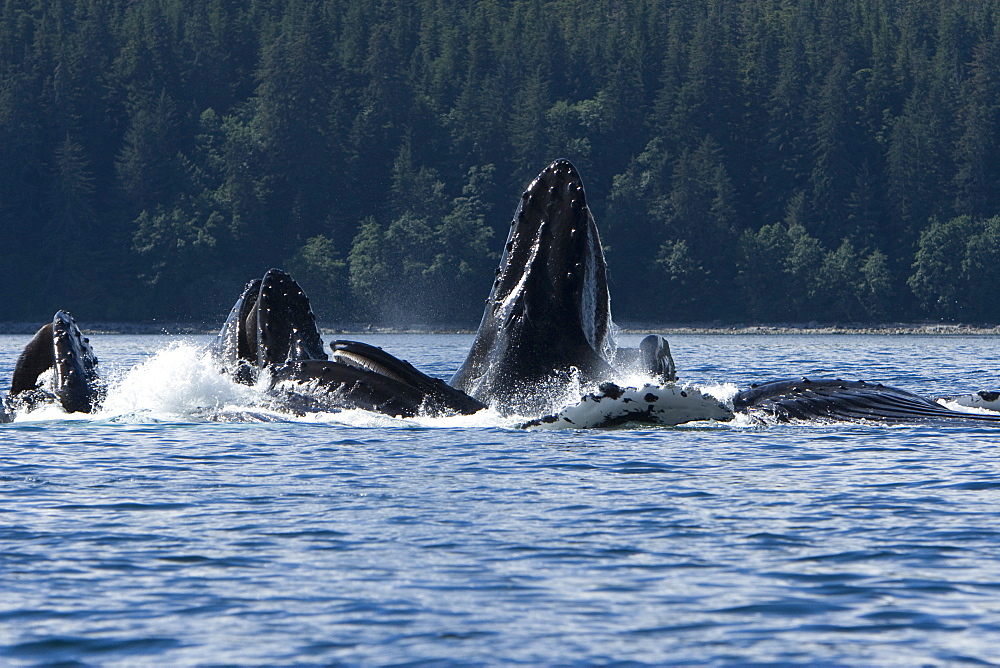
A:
{"x":828,"y":399}
{"x":271,"y":335}
{"x":548,"y":315}
{"x":58,"y":365}
{"x":553,"y":258}
{"x":270,"y":323}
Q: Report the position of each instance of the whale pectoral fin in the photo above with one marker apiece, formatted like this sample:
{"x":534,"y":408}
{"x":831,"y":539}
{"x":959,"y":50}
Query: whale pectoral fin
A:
{"x":654,"y":354}
{"x":652,"y":358}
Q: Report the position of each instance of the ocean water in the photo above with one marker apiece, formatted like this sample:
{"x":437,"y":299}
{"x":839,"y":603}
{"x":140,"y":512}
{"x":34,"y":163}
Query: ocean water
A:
{"x":157,"y":533}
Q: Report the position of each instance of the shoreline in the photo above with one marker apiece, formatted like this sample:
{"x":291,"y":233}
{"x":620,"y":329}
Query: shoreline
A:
{"x":355,"y":329}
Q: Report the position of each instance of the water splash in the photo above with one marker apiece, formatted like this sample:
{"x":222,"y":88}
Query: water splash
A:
{"x":180,"y":381}
{"x":183,"y":383}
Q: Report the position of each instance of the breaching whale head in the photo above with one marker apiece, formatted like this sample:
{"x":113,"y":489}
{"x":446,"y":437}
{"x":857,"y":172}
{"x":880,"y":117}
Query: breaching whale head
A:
{"x":549,"y":311}
{"x":272,"y":329}
{"x":271,"y":323}
{"x":61,"y":347}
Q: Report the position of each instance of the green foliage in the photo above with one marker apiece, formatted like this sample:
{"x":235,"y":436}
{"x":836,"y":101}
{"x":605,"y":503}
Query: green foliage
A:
{"x":838,"y":286}
{"x":938,"y":279}
{"x":420,"y":270}
{"x":877,"y":288}
{"x":324,"y":277}
{"x":179,"y":248}
{"x":745,"y":159}
{"x":762,"y":272}
{"x":954,"y":265}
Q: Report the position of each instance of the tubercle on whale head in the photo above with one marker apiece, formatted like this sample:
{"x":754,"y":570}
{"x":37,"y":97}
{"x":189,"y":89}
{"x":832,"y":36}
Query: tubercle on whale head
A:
{"x":77,"y":384}
{"x":286,"y":326}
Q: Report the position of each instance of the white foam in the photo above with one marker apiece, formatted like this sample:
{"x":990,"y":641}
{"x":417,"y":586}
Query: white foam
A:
{"x":971,"y":403}
{"x":181,"y":381}
{"x":47,"y":412}
{"x":724,"y":392}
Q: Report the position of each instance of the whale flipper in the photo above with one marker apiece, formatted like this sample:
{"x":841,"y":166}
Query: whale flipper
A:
{"x":61,"y":347}
{"x":651,"y":358}
{"x":838,"y":400}
{"x":549,"y":311}
{"x":654,"y":353}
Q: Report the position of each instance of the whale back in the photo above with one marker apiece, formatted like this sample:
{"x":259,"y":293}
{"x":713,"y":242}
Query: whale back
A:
{"x":843,"y":400}
{"x":548,"y":314}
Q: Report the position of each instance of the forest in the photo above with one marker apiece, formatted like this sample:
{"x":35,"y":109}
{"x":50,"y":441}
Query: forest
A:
{"x":745,"y":160}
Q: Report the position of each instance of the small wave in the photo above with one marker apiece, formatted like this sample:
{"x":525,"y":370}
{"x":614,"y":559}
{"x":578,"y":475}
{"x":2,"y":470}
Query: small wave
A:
{"x":48,"y":413}
{"x":67,"y":648}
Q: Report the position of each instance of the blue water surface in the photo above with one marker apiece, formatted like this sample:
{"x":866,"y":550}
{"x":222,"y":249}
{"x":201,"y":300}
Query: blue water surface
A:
{"x":152,"y":535}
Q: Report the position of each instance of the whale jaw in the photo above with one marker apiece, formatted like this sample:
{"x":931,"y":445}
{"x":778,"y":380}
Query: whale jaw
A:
{"x":61,"y":347}
{"x":838,"y":400}
{"x":548,"y":315}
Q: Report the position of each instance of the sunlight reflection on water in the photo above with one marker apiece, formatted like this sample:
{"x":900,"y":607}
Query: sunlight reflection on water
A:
{"x":369,"y":540}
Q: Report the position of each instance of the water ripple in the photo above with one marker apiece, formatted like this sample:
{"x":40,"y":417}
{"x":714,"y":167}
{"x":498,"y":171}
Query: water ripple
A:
{"x":167,"y":541}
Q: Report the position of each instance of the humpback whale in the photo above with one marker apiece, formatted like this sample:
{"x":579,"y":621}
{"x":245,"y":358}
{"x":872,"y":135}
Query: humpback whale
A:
{"x":74,"y":383}
{"x":548,"y":316}
{"x":271,"y":332}
{"x":546,"y":324}
{"x":270,"y":324}
{"x":270,"y":337}
{"x":843,"y":400}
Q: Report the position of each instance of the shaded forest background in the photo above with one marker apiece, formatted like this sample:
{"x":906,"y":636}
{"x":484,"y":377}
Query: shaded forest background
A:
{"x":746,"y":160}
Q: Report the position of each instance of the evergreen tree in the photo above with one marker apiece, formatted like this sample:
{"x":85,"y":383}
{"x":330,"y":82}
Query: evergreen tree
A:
{"x":700,"y":220}
{"x":938,"y":280}
{"x":219,"y":139}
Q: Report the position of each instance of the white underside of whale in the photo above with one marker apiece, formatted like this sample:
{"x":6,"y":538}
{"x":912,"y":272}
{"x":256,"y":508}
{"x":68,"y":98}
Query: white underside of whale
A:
{"x":989,"y":401}
{"x":658,"y":405}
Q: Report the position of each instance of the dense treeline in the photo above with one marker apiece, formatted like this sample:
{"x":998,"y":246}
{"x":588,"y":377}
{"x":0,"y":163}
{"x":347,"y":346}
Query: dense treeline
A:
{"x":765,"y":160}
